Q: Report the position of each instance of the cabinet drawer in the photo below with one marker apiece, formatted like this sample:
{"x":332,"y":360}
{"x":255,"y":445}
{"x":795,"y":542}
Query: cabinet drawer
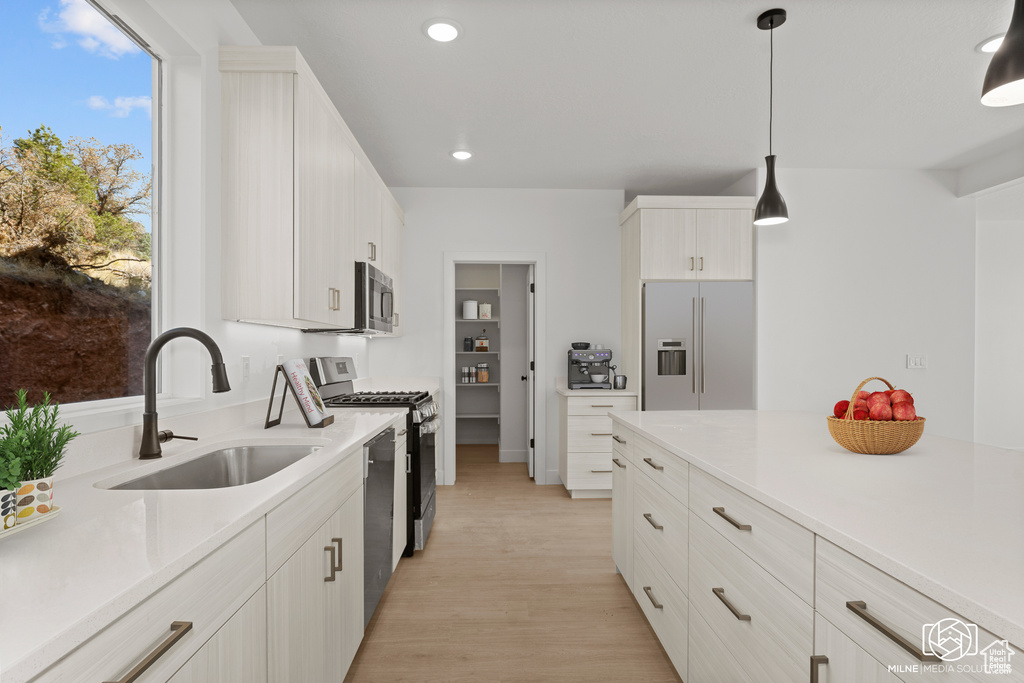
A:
{"x":662,"y":603}
{"x":590,"y":471}
{"x":662,"y":522}
{"x":622,"y":441}
{"x":898,"y":612}
{"x":205,"y":595}
{"x":774,"y":541}
{"x":710,"y":660}
{"x":589,"y":434}
{"x":663,"y":468}
{"x":845,"y":661}
{"x":295,"y":520}
{"x":600,"y":405}
{"x":771,"y":625}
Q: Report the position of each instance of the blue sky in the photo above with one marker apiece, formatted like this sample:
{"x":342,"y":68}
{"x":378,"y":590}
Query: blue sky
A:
{"x":64,"y":65}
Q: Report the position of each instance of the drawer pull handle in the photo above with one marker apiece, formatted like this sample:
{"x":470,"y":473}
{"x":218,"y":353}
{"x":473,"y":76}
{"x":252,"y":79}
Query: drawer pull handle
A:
{"x":860,"y":608}
{"x":600,"y":471}
{"x":720,"y":593}
{"x":600,"y":434}
{"x":333,"y":550}
{"x":649,"y":517}
{"x":403,"y":432}
{"x":651,"y":463}
{"x":617,"y":463}
{"x":615,"y":436}
{"x":657,"y":605}
{"x":178,"y":629}
{"x":341,"y":555}
{"x":816,"y":662}
{"x":602,"y":406}
{"x":721,"y":513}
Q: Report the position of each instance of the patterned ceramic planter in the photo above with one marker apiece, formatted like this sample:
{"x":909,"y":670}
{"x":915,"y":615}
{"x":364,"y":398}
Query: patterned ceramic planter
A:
{"x":8,"y":505}
{"x":35,"y":498}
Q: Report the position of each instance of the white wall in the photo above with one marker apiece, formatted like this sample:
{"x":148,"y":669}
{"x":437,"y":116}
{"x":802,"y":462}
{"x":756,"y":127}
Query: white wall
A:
{"x":871,"y":266}
{"x":999,"y":366}
{"x":578,"y":230}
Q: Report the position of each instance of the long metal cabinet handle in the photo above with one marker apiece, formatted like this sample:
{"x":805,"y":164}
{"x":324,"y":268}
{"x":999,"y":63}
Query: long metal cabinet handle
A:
{"x":721,"y":513}
{"x":720,"y":593}
{"x":703,"y":366}
{"x":693,"y":319}
{"x":600,"y":471}
{"x":602,"y":406}
{"x":178,"y":629}
{"x":701,"y":263}
{"x":333,"y":550}
{"x":403,"y":432}
{"x":651,"y":463}
{"x":657,"y":605}
{"x":615,"y":437}
{"x":650,"y":518}
{"x":600,"y":434}
{"x":341,"y":555}
{"x":617,"y":463}
{"x":816,"y":662}
{"x":860,"y":608}
{"x":691,"y":263}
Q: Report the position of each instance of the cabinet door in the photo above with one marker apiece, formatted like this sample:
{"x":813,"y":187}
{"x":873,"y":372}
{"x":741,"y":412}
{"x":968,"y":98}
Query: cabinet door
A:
{"x":321,"y":163}
{"x":725,"y":244}
{"x":343,"y":617}
{"x":401,"y":526}
{"x":367,"y":243}
{"x":668,"y":244}
{"x":390,"y":253}
{"x":237,"y":653}
{"x":845,"y":661}
{"x":622,"y":515}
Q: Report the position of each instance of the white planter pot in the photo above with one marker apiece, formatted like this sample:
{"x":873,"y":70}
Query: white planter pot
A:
{"x":35,"y":497}
{"x":8,"y":506}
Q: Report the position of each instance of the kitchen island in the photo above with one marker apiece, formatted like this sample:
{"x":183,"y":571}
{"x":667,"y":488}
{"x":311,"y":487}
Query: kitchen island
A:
{"x":946,"y":518}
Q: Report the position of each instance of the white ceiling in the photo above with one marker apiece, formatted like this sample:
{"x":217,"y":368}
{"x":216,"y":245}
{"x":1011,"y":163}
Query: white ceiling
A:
{"x":650,"y":96}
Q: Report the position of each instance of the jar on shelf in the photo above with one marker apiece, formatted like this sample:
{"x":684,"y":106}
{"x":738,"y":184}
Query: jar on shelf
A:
{"x":467,"y":344}
{"x":482,"y":342}
{"x":483,"y":373}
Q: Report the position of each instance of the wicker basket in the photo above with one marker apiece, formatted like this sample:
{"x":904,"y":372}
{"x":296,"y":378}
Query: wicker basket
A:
{"x":871,"y":436}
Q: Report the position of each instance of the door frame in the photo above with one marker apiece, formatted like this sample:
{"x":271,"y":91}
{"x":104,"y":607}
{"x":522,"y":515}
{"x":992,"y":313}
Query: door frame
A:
{"x":447,"y":472}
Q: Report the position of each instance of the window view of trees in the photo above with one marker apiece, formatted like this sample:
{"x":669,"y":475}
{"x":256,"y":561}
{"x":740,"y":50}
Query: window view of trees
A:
{"x":75,"y":204}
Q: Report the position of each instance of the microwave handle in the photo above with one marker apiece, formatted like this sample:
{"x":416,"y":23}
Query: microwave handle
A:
{"x":387,"y":304}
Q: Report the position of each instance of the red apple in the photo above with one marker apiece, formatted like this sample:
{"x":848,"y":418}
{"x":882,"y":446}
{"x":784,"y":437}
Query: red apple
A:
{"x":880,"y":412}
{"x":888,"y":392}
{"x":879,"y":397}
{"x":860,"y":415}
{"x":840,"y":409}
{"x":863,"y":394}
{"x":860,"y":404}
{"x":900,"y":396}
{"x":904,"y":410}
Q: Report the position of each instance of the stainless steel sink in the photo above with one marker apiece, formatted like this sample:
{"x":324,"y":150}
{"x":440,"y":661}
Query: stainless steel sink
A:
{"x":222,"y":468}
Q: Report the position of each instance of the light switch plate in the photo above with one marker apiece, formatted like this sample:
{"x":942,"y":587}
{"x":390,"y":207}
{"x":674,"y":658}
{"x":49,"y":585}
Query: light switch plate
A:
{"x":916,"y":361}
{"x":245,"y":368}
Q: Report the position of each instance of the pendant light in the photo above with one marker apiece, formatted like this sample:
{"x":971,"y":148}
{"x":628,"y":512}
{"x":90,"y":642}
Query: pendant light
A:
{"x":771,"y":207}
{"x":1004,"y":80}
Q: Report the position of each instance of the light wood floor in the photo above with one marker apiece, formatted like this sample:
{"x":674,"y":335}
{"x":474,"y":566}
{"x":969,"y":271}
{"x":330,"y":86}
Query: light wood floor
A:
{"x":516,"y":584}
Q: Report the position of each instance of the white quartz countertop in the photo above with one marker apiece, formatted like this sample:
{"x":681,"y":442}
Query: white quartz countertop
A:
{"x":64,"y":580}
{"x":945,"y":517}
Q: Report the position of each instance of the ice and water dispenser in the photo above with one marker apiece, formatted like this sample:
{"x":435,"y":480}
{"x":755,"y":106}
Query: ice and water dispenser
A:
{"x":671,"y":356}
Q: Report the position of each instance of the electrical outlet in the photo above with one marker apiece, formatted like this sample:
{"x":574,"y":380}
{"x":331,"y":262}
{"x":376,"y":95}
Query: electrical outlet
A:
{"x":245,"y":368}
{"x":916,"y":362}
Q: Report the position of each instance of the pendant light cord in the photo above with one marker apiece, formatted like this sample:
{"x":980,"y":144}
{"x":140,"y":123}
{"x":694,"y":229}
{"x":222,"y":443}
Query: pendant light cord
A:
{"x":771,"y":83}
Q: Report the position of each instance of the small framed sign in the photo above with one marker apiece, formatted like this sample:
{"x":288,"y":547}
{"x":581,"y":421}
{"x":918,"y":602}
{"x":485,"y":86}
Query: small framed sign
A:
{"x":299,"y":382}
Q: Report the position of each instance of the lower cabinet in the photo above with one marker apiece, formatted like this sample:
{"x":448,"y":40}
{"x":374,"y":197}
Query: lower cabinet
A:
{"x":622,"y":515}
{"x":315,"y":602}
{"x":237,"y":653}
{"x":400,"y":531}
{"x":837,"y":659}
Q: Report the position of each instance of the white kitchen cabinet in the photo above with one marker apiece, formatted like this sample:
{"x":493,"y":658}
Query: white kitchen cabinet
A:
{"x":840,"y":660}
{"x":400,"y":530}
{"x":315,"y":602}
{"x":300,"y":201}
{"x":391,"y":253}
{"x":585,"y":439}
{"x":622,"y":514}
{"x":237,"y":653}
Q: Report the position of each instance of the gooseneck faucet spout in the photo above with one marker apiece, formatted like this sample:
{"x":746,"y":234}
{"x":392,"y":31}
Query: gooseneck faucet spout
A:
{"x":152,"y":437}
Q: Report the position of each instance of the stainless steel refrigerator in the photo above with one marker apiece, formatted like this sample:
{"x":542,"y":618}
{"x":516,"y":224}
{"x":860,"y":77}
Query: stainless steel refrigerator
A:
{"x":698,"y":346}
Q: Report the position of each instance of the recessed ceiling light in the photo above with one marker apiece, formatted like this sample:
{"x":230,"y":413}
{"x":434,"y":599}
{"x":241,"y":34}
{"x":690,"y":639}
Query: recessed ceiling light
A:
{"x":462,"y":154}
{"x":990,"y":44}
{"x":442,"y":30}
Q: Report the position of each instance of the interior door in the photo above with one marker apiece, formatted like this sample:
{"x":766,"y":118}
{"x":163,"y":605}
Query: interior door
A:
{"x":531,"y":354}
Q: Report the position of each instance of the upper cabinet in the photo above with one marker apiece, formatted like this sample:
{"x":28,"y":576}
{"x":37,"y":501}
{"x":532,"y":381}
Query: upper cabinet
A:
{"x":694,"y":238}
{"x":300,"y":201}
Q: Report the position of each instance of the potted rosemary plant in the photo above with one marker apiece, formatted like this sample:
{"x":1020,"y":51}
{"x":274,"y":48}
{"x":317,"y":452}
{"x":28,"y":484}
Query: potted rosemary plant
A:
{"x":33,"y":437}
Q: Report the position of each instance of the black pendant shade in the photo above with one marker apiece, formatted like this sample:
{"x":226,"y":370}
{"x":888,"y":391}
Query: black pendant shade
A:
{"x":771,"y":207}
{"x":1004,"y":80}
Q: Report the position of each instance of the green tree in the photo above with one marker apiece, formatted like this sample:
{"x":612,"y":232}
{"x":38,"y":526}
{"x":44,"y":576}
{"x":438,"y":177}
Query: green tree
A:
{"x":54,"y":164}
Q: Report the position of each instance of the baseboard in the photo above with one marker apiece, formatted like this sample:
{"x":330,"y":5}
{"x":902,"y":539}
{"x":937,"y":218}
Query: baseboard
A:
{"x":511,"y":456}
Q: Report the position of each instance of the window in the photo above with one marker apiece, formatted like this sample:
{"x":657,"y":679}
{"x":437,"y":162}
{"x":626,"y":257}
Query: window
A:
{"x":76,"y":191}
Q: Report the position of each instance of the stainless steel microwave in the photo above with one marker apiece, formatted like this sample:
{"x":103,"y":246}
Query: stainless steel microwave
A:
{"x":375,"y":303}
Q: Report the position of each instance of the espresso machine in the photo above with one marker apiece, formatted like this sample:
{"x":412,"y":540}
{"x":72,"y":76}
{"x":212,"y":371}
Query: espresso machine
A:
{"x":586,"y":364}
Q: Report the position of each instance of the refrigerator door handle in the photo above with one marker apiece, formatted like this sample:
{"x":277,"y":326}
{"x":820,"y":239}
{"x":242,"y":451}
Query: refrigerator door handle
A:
{"x":703,"y":317}
{"x":693,"y":319}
